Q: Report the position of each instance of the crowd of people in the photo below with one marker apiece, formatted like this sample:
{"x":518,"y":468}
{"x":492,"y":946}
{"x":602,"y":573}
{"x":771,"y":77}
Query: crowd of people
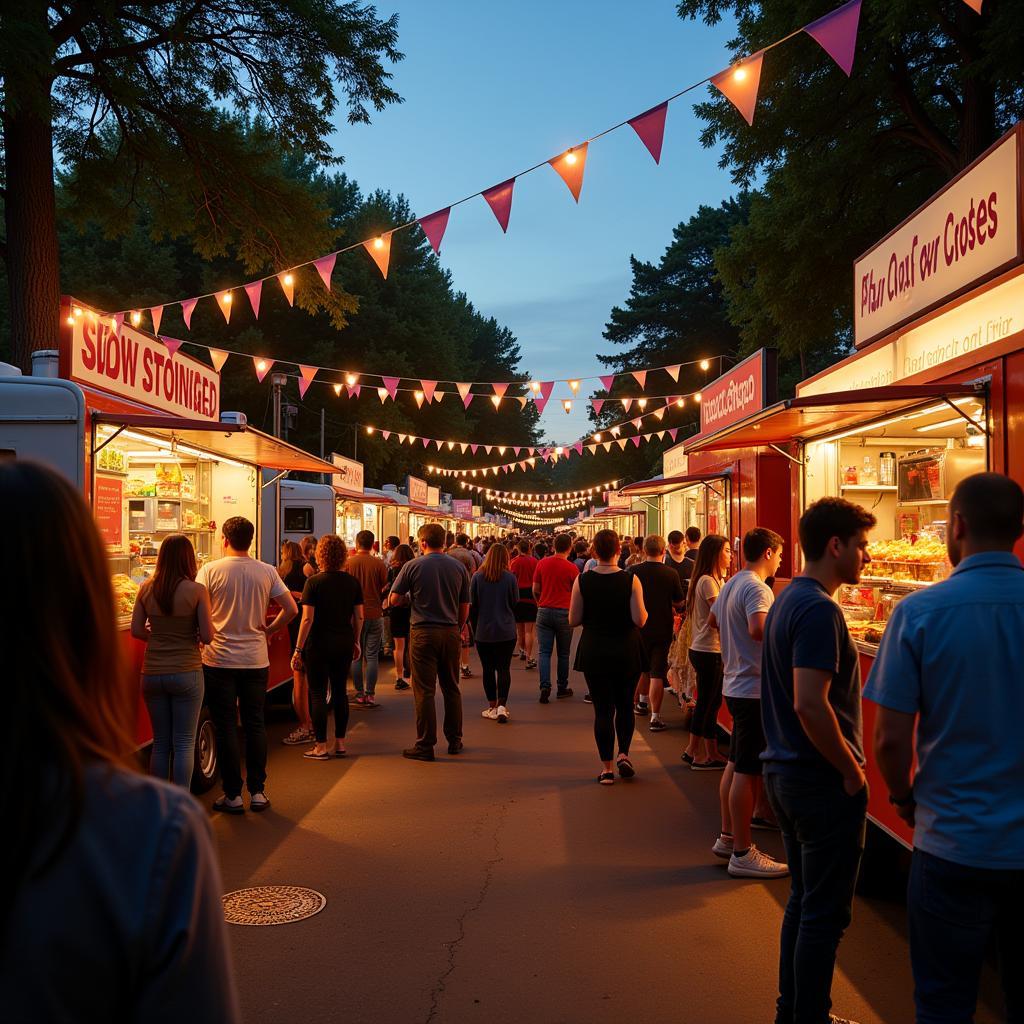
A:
{"x":98,"y":850}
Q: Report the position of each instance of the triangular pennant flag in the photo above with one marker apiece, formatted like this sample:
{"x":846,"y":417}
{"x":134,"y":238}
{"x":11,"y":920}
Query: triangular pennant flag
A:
{"x":186,"y":311}
{"x":659,"y":414}
{"x":597,"y":404}
{"x":673,"y":372}
{"x":325,"y":267}
{"x":156,"y":312}
{"x":425,"y":441}
{"x":353,"y":390}
{"x":466,"y":399}
{"x":546,"y":388}
{"x":626,"y":403}
{"x":621,"y":442}
{"x":570,"y":167}
{"x":607,"y":382}
{"x":434,"y":227}
{"x":262,"y":367}
{"x":418,"y":395}
{"x":401,"y":438}
{"x":638,"y":422}
{"x":540,"y":401}
{"x":672,"y":433}
{"x":499,"y":199}
{"x":650,"y":126}
{"x":391,"y":385}
{"x":438,"y":444}
{"x":473,"y":448}
{"x":500,"y":389}
{"x":592,"y":448}
{"x":287,"y":280}
{"x":173,"y":344}
{"x":218,"y":358}
{"x":578,"y":446}
{"x":516,"y":450}
{"x":462,"y":447}
{"x":496,"y":400}
{"x":607,"y":446}
{"x":380,"y":249}
{"x":739,"y":85}
{"x":307,"y":373}
{"x":439,"y":395}
{"x":429,"y":386}
{"x":636,"y":440}
{"x":118,"y":319}
{"x":464,"y":390}
{"x":641,"y":378}
{"x":386,"y":434}
{"x":836,"y":34}
{"x":488,"y":448}
{"x":975,"y":5}
{"x":224,"y":302}
{"x":661,"y":435}
{"x":254,"y":290}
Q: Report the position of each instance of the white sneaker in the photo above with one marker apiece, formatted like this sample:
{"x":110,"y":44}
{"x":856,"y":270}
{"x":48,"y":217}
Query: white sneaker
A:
{"x":503,"y":714}
{"x":491,"y":713}
{"x":756,"y":863}
{"x":259,"y":802}
{"x":722,"y":847}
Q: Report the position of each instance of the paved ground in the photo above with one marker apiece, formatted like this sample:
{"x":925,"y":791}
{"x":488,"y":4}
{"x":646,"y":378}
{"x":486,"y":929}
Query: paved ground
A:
{"x":505,"y":885}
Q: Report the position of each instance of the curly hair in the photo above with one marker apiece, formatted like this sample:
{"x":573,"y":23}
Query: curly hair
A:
{"x":331,"y":553}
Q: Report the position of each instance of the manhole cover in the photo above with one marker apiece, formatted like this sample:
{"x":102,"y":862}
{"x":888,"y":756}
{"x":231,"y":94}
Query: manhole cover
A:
{"x":272,"y":904}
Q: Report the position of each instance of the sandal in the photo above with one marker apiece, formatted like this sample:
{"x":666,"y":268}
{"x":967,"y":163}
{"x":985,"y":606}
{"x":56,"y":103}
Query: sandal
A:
{"x":625,"y":766}
{"x":606,"y":778}
{"x":314,"y":756}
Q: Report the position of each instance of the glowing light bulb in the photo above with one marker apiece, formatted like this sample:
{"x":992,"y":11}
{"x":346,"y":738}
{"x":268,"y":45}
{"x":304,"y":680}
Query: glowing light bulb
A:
{"x":534,"y":386}
{"x":378,"y":242}
{"x":289,"y":280}
{"x":696,"y":397}
{"x":337,"y":389}
{"x":559,"y":450}
{"x":680,"y":402}
{"x":597,"y":436}
{"x":739,"y":74}
{"x":575,"y":385}
{"x":369,"y":430}
{"x":704,"y":364}
{"x":418,"y":395}
{"x":136,"y":318}
{"x":71,"y":321}
{"x":226,"y":299}
{"x":642,"y":402}
{"x":567,"y":405}
{"x":78,"y":311}
{"x":261,"y":365}
{"x":570,"y":157}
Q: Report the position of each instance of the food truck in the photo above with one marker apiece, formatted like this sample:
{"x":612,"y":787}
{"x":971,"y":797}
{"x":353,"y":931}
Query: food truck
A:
{"x":139,"y":429}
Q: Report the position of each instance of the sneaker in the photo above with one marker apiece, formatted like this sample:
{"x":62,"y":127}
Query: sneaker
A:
{"x":722,"y":847}
{"x":357,"y":698}
{"x":562,"y":694}
{"x":545,"y":695}
{"x":418,"y":754}
{"x":587,"y":699}
{"x":402,"y":684}
{"x":229,"y":804}
{"x":490,"y":713}
{"x":657,"y":725}
{"x":298,"y":737}
{"x":641,"y":708}
{"x":522,"y":654}
{"x":531,"y":662}
{"x":756,"y":863}
{"x":259,"y":802}
{"x":714,"y":765}
{"x":765,"y":824}
{"x":503,"y":714}
{"x":370,"y":702}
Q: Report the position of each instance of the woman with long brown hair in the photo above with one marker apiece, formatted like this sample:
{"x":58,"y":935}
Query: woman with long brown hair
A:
{"x":714,"y":556}
{"x":172,"y":614}
{"x":398,"y":618}
{"x":493,"y":596}
{"x":91,"y":847}
{"x":294,"y":569}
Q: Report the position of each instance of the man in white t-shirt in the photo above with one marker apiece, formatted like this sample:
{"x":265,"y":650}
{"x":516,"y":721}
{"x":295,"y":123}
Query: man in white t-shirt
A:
{"x":740,"y":613}
{"x":236,"y":664}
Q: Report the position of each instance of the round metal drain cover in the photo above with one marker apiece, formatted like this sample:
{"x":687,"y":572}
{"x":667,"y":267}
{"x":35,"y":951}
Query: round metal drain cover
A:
{"x":272,"y":904}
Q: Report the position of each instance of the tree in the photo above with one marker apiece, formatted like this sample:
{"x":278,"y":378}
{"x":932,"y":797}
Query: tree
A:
{"x":839,"y":162}
{"x":138,"y":98}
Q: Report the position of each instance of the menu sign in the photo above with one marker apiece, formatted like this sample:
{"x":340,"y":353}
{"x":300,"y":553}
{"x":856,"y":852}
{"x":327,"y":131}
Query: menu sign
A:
{"x":433,"y":496}
{"x":747,"y":388}
{"x":349,"y":475}
{"x":138,"y":366}
{"x":462,"y":507}
{"x":108,"y":508}
{"x":616,"y":499}
{"x":416,"y":489}
{"x":967,"y":233}
{"x":674,"y":462}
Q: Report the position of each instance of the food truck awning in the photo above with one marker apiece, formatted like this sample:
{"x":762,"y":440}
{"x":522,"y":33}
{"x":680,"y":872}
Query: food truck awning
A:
{"x":378,"y":499}
{"x":802,"y":419}
{"x":236,"y":441}
{"x":346,"y":495}
{"x":663,"y":485}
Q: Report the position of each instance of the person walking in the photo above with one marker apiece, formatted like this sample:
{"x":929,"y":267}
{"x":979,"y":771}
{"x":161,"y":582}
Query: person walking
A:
{"x":814,"y":752}
{"x":436,"y":588}
{"x":171,"y":616}
{"x":292,"y":569}
{"x":372,"y":575}
{"x":523,"y":566}
{"x":493,"y":593}
{"x":236,"y":665}
{"x":328,"y":642}
{"x":470,"y":561}
{"x":682,"y":553}
{"x":552,"y":589}
{"x":709,"y":569}
{"x":398,"y":618}
{"x":112,"y":904}
{"x":739,"y":614}
{"x":947,"y":682}
{"x":663,"y":595}
{"x":609,"y":604}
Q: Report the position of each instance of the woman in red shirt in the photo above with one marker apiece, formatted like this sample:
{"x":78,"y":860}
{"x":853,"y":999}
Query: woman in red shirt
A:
{"x":523,"y":566}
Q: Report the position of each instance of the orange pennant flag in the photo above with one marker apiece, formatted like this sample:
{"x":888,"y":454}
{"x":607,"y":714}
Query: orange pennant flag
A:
{"x":307,"y":374}
{"x":570,"y":167}
{"x":740,"y":83}
{"x":224,"y":301}
{"x":380,"y":250}
{"x":218,"y":358}
{"x":288,"y":286}
{"x":673,"y":371}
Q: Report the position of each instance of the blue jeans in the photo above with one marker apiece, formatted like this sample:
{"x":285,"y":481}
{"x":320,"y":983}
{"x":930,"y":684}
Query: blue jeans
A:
{"x":370,"y":641}
{"x":173,"y":702}
{"x":823,"y":832}
{"x":954,"y":912}
{"x":553,"y":630}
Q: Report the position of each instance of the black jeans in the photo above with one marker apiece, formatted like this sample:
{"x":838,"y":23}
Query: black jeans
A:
{"x":231,"y":692}
{"x":330,"y":664}
{"x":496,"y":661}
{"x":708,"y":666}
{"x":954,"y":912}
{"x":823,"y":831}
{"x":613,"y":711}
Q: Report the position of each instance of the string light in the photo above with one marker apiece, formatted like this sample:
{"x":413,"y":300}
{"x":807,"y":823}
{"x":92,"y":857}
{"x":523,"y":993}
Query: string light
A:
{"x":704,"y":364}
{"x":697,"y":397}
{"x":567,"y":405}
{"x":597,"y":437}
{"x":288,"y":279}
{"x":740,"y":74}
{"x":226,"y":299}
{"x":261,"y":365}
{"x":369,"y":430}
{"x":378,"y":242}
{"x":535,"y":387}
{"x":136,"y":318}
{"x":570,"y":157}
{"x":351,"y":378}
{"x":642,"y":402}
{"x":574,"y":386}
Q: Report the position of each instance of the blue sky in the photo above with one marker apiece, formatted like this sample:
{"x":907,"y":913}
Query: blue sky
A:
{"x":491,"y":89}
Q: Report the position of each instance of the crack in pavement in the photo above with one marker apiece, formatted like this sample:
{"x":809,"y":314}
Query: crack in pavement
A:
{"x":453,"y":945}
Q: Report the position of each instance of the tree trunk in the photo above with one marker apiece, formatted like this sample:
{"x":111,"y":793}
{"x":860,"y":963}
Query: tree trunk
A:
{"x":33,"y":263}
{"x":978,"y":114}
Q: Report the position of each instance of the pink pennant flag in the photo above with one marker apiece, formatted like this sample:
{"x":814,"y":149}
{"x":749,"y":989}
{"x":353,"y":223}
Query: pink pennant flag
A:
{"x":473,"y":448}
{"x":597,"y":404}
{"x":429,"y":386}
{"x":353,"y":390}
{"x":569,"y":167}
{"x":638,"y":422}
{"x":626,"y":403}
{"x":173,"y":344}
{"x":641,"y":378}
{"x":287,"y":280}
{"x":380,"y":249}
{"x":499,"y":199}
{"x":186,"y":311}
{"x":739,"y":85}
{"x":218,"y":358}
{"x":426,"y":441}
{"x":325,"y":267}
{"x":636,"y":440}
{"x":607,"y":382}
{"x":540,"y":400}
{"x":466,"y":399}
{"x":435,"y":226}
{"x":672,"y":433}
{"x":262,"y":367}
{"x":307,"y":373}
{"x":836,"y":33}
{"x":156,"y":312}
{"x":650,"y":126}
{"x":254,"y":290}
{"x":516,"y":450}
{"x":578,"y":447}
{"x":673,"y":372}
{"x":391,"y":385}
{"x":500,"y":389}
{"x":386,"y":434}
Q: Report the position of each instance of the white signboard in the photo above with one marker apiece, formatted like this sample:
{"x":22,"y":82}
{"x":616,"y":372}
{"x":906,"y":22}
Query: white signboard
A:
{"x":416,"y":489}
{"x":674,"y":462}
{"x":349,"y":475}
{"x":968,"y":232}
{"x":433,"y":496}
{"x":616,"y":499}
{"x":139,"y":367}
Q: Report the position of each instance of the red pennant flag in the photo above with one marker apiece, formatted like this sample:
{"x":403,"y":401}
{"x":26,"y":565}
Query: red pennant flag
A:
{"x":224,"y":302}
{"x":391,"y":386}
{"x":466,"y":399}
{"x":262,"y":367}
{"x":650,"y":126}
{"x":325,"y":267}
{"x":186,"y":311}
{"x":739,"y":85}
{"x":156,"y":312}
{"x":428,"y":389}
{"x":307,"y":373}
{"x":254,"y":290}
{"x":641,"y":378}
{"x":607,"y":382}
{"x":499,"y":199}
{"x":287,"y":280}
{"x":380,"y":249}
{"x":173,"y":344}
{"x":570,"y":167}
{"x":218,"y":358}
{"x":673,"y":372}
{"x":597,"y":404}
{"x":836,"y":33}
{"x":435,"y":226}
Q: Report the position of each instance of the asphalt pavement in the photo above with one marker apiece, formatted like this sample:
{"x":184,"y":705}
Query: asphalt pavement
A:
{"x":505,"y":885}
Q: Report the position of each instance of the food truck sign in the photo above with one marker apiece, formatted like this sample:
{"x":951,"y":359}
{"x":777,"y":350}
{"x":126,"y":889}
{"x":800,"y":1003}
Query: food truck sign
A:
{"x":747,"y":388}
{"x":416,"y":490}
{"x":462,"y":508}
{"x":616,"y":499}
{"x":349,"y":475}
{"x":967,"y":233}
{"x":433,"y":496}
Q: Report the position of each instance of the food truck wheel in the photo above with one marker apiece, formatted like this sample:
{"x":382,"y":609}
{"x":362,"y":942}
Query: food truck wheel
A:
{"x":205,"y":774}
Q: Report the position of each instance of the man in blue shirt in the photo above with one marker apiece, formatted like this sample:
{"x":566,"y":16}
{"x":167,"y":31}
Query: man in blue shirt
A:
{"x":950,"y":664}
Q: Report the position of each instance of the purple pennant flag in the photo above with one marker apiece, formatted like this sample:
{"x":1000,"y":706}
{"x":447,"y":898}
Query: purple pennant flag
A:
{"x":836,"y":34}
{"x":650,"y":127}
{"x":434,"y":227}
{"x":606,"y":382}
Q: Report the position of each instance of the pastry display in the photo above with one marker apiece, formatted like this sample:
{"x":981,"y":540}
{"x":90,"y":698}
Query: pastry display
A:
{"x":125,"y":591}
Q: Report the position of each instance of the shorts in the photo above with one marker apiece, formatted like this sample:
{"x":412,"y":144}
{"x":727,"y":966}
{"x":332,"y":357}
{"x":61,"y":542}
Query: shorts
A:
{"x":526,"y":611}
{"x":747,"y":741}
{"x":655,"y":656}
